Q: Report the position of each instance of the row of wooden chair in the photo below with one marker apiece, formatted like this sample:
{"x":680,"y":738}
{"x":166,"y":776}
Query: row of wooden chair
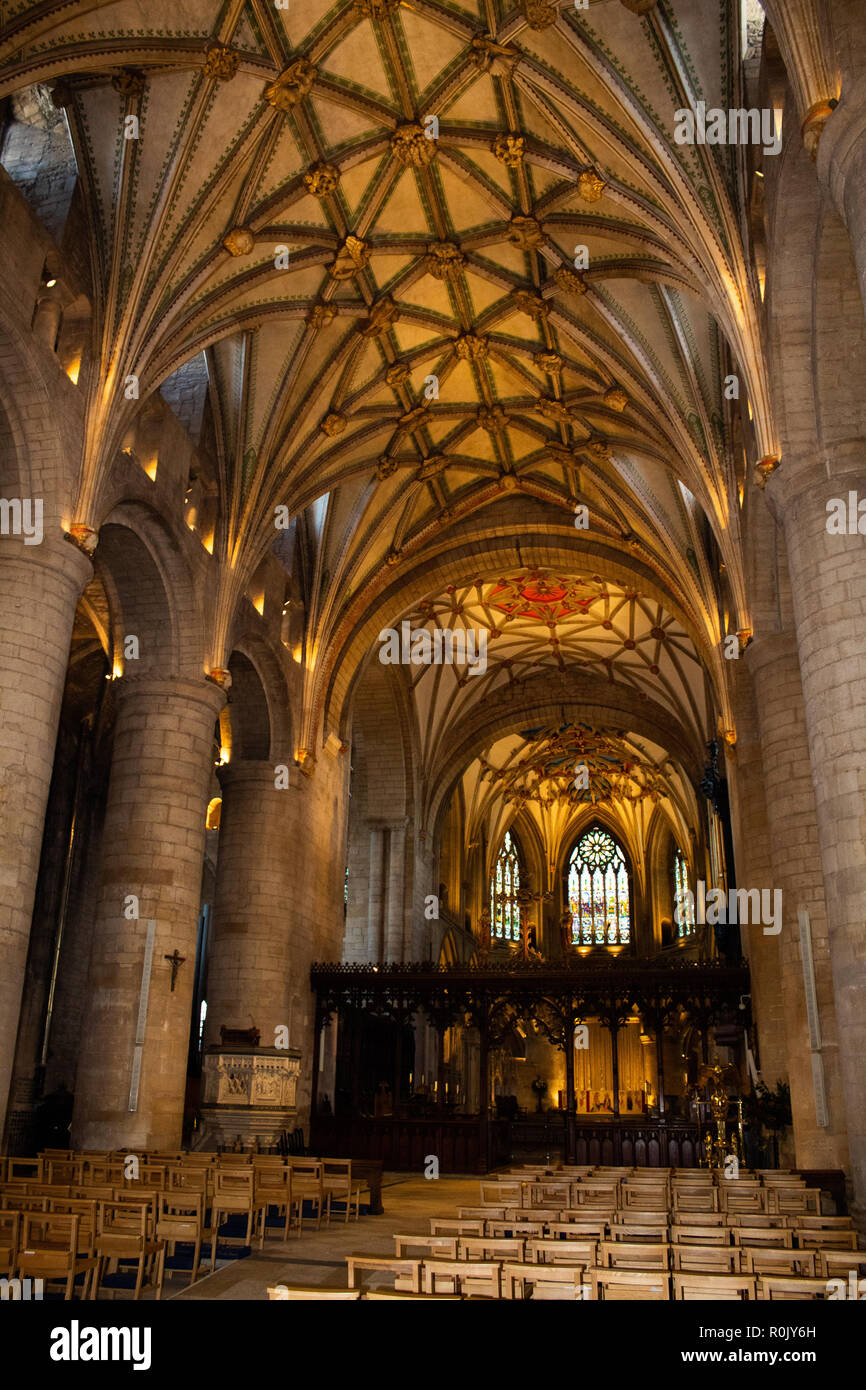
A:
{"x":324,"y":1182}
{"x":515,"y":1280}
{"x":592,"y":1193}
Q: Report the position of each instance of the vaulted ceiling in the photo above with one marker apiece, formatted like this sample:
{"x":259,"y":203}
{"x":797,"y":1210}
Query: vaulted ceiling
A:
{"x":443,"y":259}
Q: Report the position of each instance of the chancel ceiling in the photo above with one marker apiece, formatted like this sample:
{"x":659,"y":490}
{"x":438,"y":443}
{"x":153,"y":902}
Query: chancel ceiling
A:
{"x":534,"y":308}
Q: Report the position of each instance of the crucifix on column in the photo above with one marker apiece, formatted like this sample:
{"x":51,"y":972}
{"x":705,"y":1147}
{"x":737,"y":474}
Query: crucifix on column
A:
{"x":175,"y":960}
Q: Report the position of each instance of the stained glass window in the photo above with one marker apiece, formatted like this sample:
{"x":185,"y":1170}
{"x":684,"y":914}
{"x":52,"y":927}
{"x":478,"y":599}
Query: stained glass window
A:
{"x":504,"y":885}
{"x":682,"y":898}
{"x":598,"y":891}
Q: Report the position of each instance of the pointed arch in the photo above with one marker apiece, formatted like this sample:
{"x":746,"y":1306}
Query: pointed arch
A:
{"x":599,"y":889}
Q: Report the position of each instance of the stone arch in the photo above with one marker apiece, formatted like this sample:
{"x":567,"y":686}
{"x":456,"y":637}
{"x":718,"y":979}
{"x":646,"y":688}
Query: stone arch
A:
{"x":247,"y":711}
{"x":544,"y":701}
{"x":585,"y":819}
{"x":156,"y":599}
{"x":257,"y":650}
{"x":33,"y":447}
{"x":511,"y":549}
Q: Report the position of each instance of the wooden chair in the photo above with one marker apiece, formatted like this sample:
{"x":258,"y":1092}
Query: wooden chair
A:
{"x":543,"y":1214}
{"x":637,"y":1231}
{"x":281,"y":1293}
{"x":499,"y":1229}
{"x":87,"y":1209}
{"x":340,"y":1187}
{"x":794,"y":1201}
{"x":629,"y":1285}
{"x":701,"y":1235}
{"x":308,"y":1185}
{"x":545,"y":1283}
{"x":376,"y":1295}
{"x":777,"y":1286}
{"x":706,"y":1259}
{"x":446,"y":1226}
{"x":621,"y":1254}
{"x":499,"y":1193}
{"x":578,"y":1230}
{"x":738,"y":1195}
{"x":49,"y":1251}
{"x":705,"y":1199}
{"x":821,"y":1223}
{"x":430,"y":1247}
{"x":547,"y":1193}
{"x":407,"y":1273}
{"x":628,"y":1216}
{"x":461,"y":1276}
{"x":593,"y":1196}
{"x":489,"y":1214}
{"x":124,"y":1234}
{"x":477,"y":1248}
{"x":762,"y":1238}
{"x":810,"y":1239}
{"x":561,"y":1252}
{"x":179,"y":1221}
{"x":756,"y":1259}
{"x":644,"y":1196}
{"x":713,"y":1287}
{"x":837,"y":1264}
{"x":235,"y":1194}
{"x":273,"y":1187}
{"x":10,"y":1229}
{"x":181,"y":1178}
{"x":29,"y":1169}
{"x":771,"y":1220}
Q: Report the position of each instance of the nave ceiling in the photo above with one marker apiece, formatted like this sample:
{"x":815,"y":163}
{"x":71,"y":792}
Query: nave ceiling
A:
{"x":410,"y":259}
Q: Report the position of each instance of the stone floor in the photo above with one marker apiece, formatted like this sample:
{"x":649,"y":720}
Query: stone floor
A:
{"x":319,"y":1257}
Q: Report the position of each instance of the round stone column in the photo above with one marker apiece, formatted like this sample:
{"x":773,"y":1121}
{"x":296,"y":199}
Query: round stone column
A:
{"x":828,"y":582}
{"x":153,"y":848}
{"x":278,"y":905}
{"x":249,"y":960}
{"x":39,"y":589}
{"x":797,"y":872}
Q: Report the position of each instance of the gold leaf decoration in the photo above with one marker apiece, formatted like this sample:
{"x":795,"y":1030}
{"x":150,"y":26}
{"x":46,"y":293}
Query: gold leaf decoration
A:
{"x":525,"y":232}
{"x":321,"y":179}
{"x":291,"y":85}
{"x":239,"y":241}
{"x":471,"y":347}
{"x":569,"y":281}
{"x":590,"y":186}
{"x":509,"y":149}
{"x":352,"y":256}
{"x":412,"y":146}
{"x":221,"y":62}
{"x":444,"y":260}
{"x":334,"y":424}
{"x":616,"y":398}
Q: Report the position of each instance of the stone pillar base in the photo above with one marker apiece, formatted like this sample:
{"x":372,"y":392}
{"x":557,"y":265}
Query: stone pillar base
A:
{"x":249,"y":1092}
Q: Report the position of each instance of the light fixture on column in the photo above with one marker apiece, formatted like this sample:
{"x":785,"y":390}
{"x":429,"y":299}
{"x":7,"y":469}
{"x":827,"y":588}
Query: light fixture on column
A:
{"x":85,"y":537}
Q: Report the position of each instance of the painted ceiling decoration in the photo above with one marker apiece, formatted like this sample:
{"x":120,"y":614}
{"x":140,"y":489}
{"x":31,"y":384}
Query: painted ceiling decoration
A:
{"x":437,"y":259}
{"x":550,"y":771}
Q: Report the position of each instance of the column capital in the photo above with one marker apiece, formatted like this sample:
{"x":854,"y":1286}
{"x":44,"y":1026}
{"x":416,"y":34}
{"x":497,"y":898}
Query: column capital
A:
{"x":149,"y":688}
{"x":55,"y":553}
{"x":767,"y":648}
{"x":258,"y":773}
{"x":842,"y":469}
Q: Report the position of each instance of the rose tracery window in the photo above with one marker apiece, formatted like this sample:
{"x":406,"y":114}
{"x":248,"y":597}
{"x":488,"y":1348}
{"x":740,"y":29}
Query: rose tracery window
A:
{"x":504,"y":888}
{"x":598,"y":891}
